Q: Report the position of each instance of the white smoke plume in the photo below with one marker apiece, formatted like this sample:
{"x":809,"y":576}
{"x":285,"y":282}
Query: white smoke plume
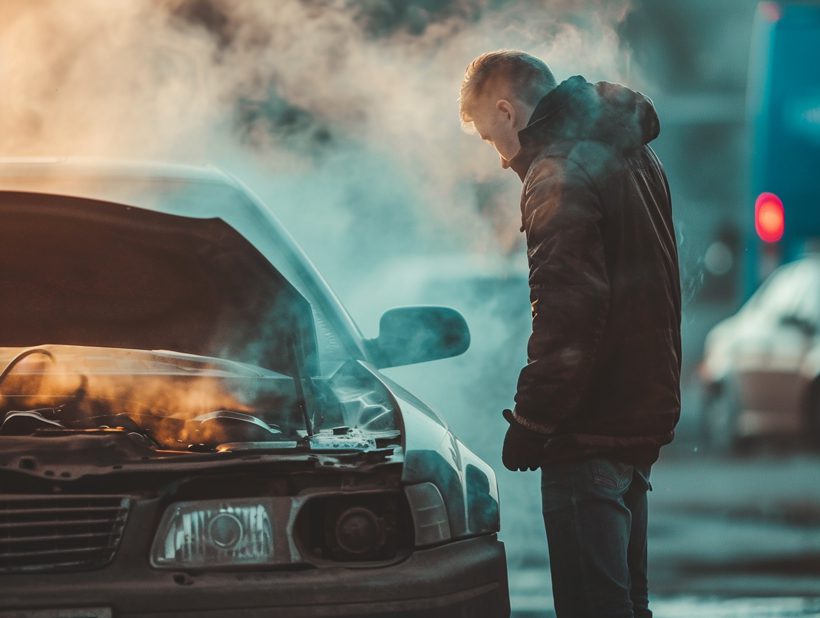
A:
{"x":341,"y":113}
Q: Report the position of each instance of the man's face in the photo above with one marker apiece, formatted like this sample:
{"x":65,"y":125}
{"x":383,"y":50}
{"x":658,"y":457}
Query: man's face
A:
{"x":498,"y":122}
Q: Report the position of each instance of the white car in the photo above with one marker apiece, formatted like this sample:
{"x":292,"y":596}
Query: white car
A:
{"x":761,"y":366}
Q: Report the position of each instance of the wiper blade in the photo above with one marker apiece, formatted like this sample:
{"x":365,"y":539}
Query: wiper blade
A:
{"x":303,"y":385}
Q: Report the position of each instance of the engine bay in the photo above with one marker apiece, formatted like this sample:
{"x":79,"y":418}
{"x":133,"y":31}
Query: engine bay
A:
{"x":173,"y":402}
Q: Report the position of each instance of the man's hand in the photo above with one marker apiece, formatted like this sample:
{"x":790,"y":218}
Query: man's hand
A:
{"x":523,"y":449}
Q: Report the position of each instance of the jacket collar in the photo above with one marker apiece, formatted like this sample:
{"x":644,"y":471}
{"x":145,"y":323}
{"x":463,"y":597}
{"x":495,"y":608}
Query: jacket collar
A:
{"x":543,"y":119}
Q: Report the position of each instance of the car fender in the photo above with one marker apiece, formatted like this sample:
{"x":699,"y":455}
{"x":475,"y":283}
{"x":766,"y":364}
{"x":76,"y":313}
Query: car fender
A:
{"x":433,"y":454}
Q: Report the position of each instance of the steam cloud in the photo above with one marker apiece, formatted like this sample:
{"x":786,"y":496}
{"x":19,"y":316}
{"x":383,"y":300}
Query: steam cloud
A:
{"x":342,"y":114}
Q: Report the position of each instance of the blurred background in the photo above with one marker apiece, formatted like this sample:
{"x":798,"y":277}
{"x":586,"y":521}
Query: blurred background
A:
{"x":342,"y":116}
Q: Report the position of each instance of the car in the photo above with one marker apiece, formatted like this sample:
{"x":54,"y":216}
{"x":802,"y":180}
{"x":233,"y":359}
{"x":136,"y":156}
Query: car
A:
{"x":192,"y":424}
{"x":761,"y":366}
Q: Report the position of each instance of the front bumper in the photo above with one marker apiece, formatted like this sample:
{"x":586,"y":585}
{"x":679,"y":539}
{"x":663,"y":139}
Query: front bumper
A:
{"x":465,"y":578}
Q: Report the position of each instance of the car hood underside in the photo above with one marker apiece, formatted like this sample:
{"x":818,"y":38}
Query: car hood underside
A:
{"x":85,"y":272}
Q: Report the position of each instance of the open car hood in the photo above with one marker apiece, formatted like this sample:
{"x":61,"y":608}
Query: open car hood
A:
{"x":92,"y":273}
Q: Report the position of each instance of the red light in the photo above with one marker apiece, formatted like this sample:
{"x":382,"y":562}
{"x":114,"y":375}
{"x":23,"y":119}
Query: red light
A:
{"x":771,"y":11}
{"x":770,"y":221}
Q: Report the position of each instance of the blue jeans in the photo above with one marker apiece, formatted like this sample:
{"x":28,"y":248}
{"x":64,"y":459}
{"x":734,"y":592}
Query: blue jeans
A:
{"x":595,"y":512}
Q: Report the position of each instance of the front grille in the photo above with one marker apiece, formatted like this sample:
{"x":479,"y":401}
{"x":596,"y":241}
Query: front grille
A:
{"x":45,"y":533}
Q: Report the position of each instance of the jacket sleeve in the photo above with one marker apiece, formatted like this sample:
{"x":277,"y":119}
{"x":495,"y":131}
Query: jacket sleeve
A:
{"x":569,"y":292}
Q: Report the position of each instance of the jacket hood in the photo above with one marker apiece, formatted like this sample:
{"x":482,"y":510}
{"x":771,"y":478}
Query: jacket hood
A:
{"x":579,"y":110}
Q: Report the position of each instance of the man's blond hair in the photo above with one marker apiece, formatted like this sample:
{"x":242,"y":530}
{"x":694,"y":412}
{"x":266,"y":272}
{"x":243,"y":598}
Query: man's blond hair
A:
{"x":519,"y":73}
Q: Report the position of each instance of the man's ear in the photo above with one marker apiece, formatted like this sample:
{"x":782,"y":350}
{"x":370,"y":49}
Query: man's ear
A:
{"x":506,"y":108}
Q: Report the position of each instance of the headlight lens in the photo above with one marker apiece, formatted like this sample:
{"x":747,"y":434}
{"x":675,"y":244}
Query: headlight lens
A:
{"x":214,"y":533}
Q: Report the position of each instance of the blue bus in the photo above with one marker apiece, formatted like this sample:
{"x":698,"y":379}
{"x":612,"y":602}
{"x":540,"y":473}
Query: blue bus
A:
{"x":784,"y":109}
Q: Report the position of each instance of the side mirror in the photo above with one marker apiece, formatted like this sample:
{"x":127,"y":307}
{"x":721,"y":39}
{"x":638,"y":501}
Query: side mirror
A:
{"x":409,"y":335}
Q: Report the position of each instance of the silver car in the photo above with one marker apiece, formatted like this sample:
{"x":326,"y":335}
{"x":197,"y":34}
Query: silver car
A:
{"x":761,"y":366}
{"x":192,"y":425}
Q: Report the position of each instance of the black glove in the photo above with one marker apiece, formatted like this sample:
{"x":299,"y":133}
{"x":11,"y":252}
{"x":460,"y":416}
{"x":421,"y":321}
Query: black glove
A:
{"x":523,"y":448}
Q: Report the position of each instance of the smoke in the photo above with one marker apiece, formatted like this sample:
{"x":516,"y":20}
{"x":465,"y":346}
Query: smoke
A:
{"x":342,"y":114}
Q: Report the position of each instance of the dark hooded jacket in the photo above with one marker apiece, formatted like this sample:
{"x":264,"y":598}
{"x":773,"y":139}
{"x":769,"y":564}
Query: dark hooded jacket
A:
{"x":603,"y":371}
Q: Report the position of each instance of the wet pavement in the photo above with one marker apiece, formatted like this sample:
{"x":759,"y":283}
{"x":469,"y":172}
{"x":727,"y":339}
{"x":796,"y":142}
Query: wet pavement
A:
{"x":687,"y":607}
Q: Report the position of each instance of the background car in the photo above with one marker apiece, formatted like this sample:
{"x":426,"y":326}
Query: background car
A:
{"x":192,"y":424}
{"x":761,"y":366}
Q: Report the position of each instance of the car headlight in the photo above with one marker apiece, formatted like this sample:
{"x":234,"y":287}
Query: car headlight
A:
{"x":214,"y":533}
{"x":354,"y":527}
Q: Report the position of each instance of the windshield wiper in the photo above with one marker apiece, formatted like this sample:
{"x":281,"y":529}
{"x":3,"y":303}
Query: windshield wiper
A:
{"x":304,"y":386}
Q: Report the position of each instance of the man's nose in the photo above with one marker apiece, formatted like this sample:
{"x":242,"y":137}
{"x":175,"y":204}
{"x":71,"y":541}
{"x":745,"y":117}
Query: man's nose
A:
{"x":504,"y":163}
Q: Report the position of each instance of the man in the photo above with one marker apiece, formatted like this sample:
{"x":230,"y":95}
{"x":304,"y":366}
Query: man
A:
{"x":600,"y":393}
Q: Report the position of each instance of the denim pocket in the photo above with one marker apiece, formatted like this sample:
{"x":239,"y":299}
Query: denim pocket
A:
{"x":611,"y":474}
